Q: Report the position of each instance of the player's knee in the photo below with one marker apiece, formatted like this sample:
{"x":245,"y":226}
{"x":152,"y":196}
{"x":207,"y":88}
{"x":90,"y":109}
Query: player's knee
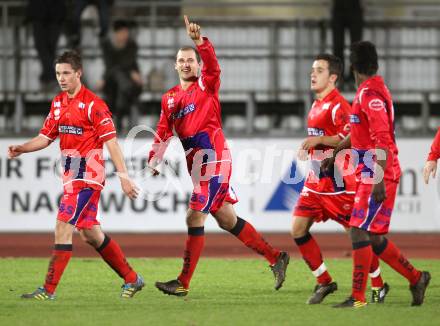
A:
{"x":226,"y":224}
{"x":359,"y":235}
{"x":298,"y":230}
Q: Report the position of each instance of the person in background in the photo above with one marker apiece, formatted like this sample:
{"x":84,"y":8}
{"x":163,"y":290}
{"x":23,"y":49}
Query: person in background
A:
{"x":122,"y":82}
{"x":47,"y":19}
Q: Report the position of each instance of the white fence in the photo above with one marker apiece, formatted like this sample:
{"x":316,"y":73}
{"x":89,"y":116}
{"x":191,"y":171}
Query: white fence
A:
{"x":29,"y":189}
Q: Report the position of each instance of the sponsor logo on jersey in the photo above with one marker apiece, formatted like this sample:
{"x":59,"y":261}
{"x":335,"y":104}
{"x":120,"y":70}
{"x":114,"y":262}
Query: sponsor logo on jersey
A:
{"x":376,"y":105}
{"x":170,"y":103}
{"x":185,"y":111}
{"x":354,"y":118}
{"x":72,"y":130}
{"x":315,"y":132}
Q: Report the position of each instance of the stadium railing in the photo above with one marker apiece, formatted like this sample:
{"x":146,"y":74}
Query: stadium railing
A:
{"x":265,"y":59}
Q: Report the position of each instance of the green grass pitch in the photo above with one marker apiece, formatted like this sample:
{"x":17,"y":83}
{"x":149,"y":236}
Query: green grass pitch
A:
{"x":223,"y":292}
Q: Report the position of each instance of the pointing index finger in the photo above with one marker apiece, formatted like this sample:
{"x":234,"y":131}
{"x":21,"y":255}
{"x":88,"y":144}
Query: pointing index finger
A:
{"x":185,"y":17}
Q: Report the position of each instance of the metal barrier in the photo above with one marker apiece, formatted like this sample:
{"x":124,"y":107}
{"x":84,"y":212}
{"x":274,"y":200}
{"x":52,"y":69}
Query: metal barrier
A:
{"x":283,"y":48}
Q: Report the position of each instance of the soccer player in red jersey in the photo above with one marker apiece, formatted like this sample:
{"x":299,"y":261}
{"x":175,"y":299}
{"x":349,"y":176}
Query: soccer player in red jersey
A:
{"x":326,"y":196}
{"x":377,"y":176}
{"x":192,"y":111}
{"x":83,"y":123}
{"x":431,"y":162}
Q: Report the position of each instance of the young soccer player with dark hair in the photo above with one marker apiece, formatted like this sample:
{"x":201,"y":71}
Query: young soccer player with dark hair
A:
{"x":326,"y":195}
{"x":83,"y":123}
{"x":377,"y":175}
{"x":191,"y":110}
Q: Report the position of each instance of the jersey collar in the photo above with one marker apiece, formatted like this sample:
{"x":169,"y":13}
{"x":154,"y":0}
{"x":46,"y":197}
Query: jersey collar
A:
{"x":66,"y":100}
{"x":330,"y":96}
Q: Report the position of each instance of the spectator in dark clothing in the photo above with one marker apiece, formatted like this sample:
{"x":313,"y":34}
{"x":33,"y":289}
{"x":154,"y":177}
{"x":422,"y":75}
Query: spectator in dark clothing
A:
{"x":346,"y":14}
{"x":77,"y":6}
{"x":122,"y":82}
{"x":47,"y":18}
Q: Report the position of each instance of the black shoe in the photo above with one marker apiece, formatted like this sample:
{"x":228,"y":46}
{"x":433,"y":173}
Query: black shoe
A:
{"x":279,"y":269}
{"x":418,"y":290}
{"x":321,"y":291}
{"x":173,"y":287}
{"x":378,"y":294}
{"x":350,"y":303}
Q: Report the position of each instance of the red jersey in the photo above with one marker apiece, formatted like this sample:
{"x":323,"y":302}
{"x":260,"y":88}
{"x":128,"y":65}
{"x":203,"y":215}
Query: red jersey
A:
{"x":83,"y":124}
{"x":434,"y":155}
{"x":194,"y":115}
{"x":328,"y":117}
{"x":372,"y":126}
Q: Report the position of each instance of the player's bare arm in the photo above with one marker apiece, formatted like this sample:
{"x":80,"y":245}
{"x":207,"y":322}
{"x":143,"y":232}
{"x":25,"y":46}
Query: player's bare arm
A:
{"x":128,"y":186}
{"x":313,"y":142}
{"x":328,"y":163}
{"x":378,"y":191}
{"x":193,"y":31}
{"x":429,"y":169}
{"x":35,"y":144}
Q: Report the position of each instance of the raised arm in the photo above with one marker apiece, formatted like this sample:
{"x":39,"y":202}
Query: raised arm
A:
{"x":210,"y":78}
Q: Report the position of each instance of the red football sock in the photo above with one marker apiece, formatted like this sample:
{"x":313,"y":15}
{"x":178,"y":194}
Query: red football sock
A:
{"x":193,"y":250}
{"x":60,"y":258}
{"x":115,"y":258}
{"x":247,"y":234}
{"x":376,"y":278}
{"x":389,"y":253}
{"x":362,"y":256}
{"x":311,"y":254}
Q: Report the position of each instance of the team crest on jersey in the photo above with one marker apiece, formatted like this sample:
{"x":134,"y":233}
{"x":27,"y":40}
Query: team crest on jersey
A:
{"x":56,"y":114}
{"x":57,"y":104}
{"x":81,"y":105}
{"x":326,"y":106}
{"x":376,"y":105}
{"x":354,"y":118}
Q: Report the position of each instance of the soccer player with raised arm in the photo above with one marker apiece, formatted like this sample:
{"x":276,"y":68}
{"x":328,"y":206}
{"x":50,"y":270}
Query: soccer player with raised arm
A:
{"x":431,"y":162}
{"x":326,"y":195}
{"x":377,"y":177}
{"x":191,"y":110}
{"x":83,"y":123}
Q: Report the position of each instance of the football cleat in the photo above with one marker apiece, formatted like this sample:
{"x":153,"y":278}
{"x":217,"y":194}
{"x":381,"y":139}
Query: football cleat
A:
{"x":130,"y":289}
{"x":279,"y":269}
{"x":378,"y":294}
{"x":350,"y":302}
{"x":173,"y":287}
{"x":321,"y":291}
{"x":39,"y":294}
{"x":418,"y":290}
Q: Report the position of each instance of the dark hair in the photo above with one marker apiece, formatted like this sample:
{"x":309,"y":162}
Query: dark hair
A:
{"x":363,"y":58}
{"x":121,"y":24}
{"x":187,"y":48}
{"x":334,"y":64}
{"x":71,"y":57}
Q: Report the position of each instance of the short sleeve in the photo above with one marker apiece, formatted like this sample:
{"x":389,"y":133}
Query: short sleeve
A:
{"x":50,"y":126}
{"x":101,"y":119}
{"x":340,"y":113}
{"x":375,"y":109}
